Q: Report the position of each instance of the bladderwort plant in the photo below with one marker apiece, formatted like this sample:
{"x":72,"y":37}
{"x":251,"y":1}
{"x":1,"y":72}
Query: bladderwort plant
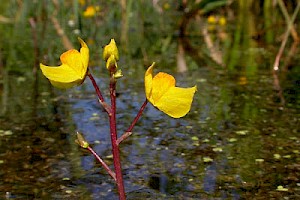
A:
{"x":160,"y":91}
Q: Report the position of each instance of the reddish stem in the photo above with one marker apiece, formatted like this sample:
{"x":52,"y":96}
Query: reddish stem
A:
{"x":109,"y":171}
{"x":114,"y":142}
{"x":137,"y":117}
{"x":101,"y":99}
{"x":111,"y":110}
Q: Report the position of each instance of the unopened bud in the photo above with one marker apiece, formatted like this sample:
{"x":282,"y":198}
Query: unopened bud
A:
{"x":111,"y":63}
{"x":111,"y":49}
{"x":81,"y":141}
{"x":118,"y":74}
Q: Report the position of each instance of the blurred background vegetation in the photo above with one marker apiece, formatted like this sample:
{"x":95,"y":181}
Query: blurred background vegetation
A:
{"x":235,"y":36}
{"x":212,"y":33}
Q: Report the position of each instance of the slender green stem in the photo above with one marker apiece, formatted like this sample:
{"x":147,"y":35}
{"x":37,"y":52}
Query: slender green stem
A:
{"x":114,"y":142}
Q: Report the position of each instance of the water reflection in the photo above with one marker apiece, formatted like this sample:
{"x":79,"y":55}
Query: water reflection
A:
{"x":236,"y":142}
{"x":228,"y":119}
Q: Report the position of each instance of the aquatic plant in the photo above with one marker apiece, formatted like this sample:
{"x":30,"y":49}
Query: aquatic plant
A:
{"x":160,"y":90}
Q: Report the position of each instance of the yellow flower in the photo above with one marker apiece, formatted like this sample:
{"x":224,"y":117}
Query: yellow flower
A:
{"x":161,"y":92}
{"x":222,"y":21}
{"x":73,"y":69}
{"x":211,"y":19}
{"x":91,"y":11}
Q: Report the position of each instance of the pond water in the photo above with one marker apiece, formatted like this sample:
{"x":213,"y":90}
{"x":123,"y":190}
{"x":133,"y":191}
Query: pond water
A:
{"x":238,"y":141}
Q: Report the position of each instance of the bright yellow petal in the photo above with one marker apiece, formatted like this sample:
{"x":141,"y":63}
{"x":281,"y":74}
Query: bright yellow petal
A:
{"x":148,"y":82}
{"x":72,"y":58}
{"x":176,"y":102}
{"x":65,"y":85}
{"x":63,"y":73}
{"x":111,"y":63}
{"x":162,"y":82}
{"x":84,"y":51}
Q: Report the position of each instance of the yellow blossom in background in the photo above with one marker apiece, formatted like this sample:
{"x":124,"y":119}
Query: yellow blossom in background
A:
{"x":242,"y":80}
{"x":211,"y":19}
{"x":166,"y":6}
{"x":161,"y":92}
{"x":91,"y":11}
{"x":222,"y":21}
{"x":73,"y":69}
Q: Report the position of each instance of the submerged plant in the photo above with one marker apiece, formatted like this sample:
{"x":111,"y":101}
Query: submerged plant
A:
{"x":160,"y":90}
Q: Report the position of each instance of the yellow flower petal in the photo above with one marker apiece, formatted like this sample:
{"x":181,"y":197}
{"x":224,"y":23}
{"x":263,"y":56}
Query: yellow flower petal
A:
{"x":65,"y":85}
{"x":148,"y":82}
{"x":84,"y":51}
{"x":176,"y":102}
{"x":161,"y":92}
{"x":161,"y":83}
{"x":63,"y":73}
{"x":73,"y":69}
{"x":90,"y":11}
{"x":111,"y":63}
{"x":72,"y":58}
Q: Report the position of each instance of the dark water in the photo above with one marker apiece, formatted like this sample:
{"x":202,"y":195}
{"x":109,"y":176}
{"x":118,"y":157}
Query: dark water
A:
{"x":238,"y":142}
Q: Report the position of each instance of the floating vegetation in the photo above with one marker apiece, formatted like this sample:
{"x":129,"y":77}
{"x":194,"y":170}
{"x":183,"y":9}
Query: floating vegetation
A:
{"x":296,"y":151}
{"x":287,"y":156}
{"x":242,"y":132}
{"x":281,"y":188}
{"x":277,"y":156}
{"x":5,"y":132}
{"x":232,"y":139}
{"x":259,"y":160}
{"x":195,"y":138}
{"x":95,"y":117}
{"x":217,"y":149}
{"x":207,"y":159}
{"x":206,"y":141}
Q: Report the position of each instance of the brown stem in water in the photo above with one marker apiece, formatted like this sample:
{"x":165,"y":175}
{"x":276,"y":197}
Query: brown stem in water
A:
{"x":286,"y":36}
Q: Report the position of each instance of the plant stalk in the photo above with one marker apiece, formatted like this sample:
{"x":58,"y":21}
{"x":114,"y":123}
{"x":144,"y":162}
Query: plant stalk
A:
{"x":104,"y":165}
{"x":114,"y":140}
{"x":129,"y":130}
{"x":101,"y":99}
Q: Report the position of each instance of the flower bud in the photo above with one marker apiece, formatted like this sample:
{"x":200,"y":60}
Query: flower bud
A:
{"x":81,"y":141}
{"x":118,"y":74}
{"x":111,"y":63}
{"x":111,"y":49}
